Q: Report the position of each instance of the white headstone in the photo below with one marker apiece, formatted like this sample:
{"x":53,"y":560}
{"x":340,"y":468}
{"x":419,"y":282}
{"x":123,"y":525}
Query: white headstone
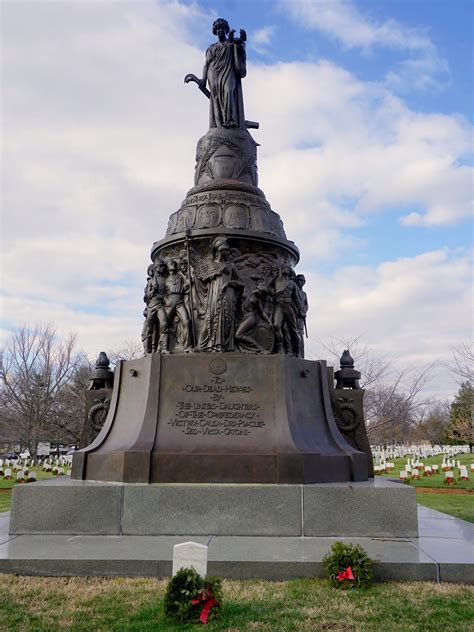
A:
{"x":190,"y":555}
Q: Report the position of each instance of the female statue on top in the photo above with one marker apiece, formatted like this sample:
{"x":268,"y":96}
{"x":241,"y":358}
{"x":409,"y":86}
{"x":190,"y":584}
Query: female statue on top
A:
{"x":224,"y":68}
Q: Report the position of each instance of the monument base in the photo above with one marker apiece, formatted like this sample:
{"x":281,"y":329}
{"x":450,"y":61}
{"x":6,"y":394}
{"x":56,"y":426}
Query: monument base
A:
{"x":220,"y":418}
{"x":66,"y":507}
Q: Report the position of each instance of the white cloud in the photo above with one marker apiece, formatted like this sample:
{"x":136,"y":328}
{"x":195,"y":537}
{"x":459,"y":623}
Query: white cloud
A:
{"x":341,"y":20}
{"x":261,"y":39}
{"x":346,"y":149}
{"x":412,"y":309}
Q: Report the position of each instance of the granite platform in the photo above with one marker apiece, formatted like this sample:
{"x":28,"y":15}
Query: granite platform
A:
{"x":61,"y":506}
{"x":443,"y":552}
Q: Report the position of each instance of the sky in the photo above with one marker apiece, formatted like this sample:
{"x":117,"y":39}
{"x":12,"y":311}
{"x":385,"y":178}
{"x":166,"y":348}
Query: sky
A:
{"x":365,"y":111}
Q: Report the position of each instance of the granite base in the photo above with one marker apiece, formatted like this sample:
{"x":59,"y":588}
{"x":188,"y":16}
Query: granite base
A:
{"x":376,"y":508}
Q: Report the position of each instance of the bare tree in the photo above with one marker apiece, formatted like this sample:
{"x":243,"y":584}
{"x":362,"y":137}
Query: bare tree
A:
{"x":393,"y":399}
{"x":373,"y":367}
{"x":463,"y":356}
{"x":66,"y":421}
{"x":130,"y":350}
{"x":35,"y":369}
{"x":392,"y":407}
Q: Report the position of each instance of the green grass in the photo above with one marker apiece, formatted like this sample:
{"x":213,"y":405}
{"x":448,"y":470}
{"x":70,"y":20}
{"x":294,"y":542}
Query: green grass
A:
{"x":5,"y":501}
{"x":457,"y":505}
{"x":438,"y":479}
{"x":40,"y":475}
{"x":85,"y":604}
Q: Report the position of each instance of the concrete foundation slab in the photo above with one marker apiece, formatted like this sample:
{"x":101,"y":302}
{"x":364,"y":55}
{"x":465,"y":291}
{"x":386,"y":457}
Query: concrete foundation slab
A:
{"x":244,"y":557}
{"x":443,"y":552}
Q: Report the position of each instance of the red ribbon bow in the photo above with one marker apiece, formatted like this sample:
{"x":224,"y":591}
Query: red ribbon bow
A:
{"x":206,"y":598}
{"x":347,"y":574}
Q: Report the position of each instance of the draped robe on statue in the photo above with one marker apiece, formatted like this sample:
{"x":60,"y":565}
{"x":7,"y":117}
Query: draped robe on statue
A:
{"x":218,"y":330}
{"x":226,"y":66}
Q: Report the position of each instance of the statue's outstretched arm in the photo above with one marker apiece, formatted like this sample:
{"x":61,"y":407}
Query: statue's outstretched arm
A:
{"x":203,"y":81}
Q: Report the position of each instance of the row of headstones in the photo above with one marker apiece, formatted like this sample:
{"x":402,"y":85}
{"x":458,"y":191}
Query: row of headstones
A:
{"x":383,"y":466}
{"x":25,"y":473}
{"x":62,"y":461}
{"x":413,"y":469}
{"x":22,"y":476}
{"x":420,"y":451}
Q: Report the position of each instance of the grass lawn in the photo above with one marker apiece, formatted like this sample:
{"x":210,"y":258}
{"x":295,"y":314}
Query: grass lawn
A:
{"x":5,"y":500}
{"x":87,"y":604}
{"x":457,"y":505}
{"x":40,"y":475}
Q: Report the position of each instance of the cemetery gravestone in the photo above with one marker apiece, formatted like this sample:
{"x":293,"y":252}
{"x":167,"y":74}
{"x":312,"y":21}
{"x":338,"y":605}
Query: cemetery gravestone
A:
{"x":190,"y":555}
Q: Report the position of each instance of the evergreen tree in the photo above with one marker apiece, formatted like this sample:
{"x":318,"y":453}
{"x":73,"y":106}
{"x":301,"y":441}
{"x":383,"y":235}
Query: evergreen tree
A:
{"x":461,"y":428}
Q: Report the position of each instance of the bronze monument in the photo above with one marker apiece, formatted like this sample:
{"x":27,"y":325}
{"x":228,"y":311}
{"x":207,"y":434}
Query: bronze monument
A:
{"x":223,"y":393}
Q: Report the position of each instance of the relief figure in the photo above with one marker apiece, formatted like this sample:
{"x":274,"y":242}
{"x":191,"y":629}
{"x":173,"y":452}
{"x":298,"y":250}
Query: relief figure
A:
{"x":286,"y":299}
{"x":222,"y":294}
{"x":303,"y":310}
{"x":256,"y":312}
{"x":176,"y":288}
{"x":156,"y":338}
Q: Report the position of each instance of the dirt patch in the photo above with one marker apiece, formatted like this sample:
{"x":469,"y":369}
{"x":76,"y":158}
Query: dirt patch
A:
{"x":442,"y":490}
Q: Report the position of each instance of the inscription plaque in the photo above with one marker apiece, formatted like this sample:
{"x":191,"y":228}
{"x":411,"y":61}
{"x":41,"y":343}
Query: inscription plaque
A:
{"x":221,"y":411}
{"x":219,"y":407}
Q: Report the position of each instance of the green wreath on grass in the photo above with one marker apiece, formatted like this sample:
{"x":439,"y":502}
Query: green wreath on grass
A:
{"x":192,"y":598}
{"x":348,"y":566}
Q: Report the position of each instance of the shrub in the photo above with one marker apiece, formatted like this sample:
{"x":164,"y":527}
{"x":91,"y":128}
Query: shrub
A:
{"x":187,"y":585}
{"x":342,"y":556}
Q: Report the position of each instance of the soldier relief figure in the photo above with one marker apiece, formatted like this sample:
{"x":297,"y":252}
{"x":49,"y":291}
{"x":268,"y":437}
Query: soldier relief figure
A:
{"x":287,"y":306}
{"x":156,"y":325}
{"x":262,"y":313}
{"x":175,"y":304}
